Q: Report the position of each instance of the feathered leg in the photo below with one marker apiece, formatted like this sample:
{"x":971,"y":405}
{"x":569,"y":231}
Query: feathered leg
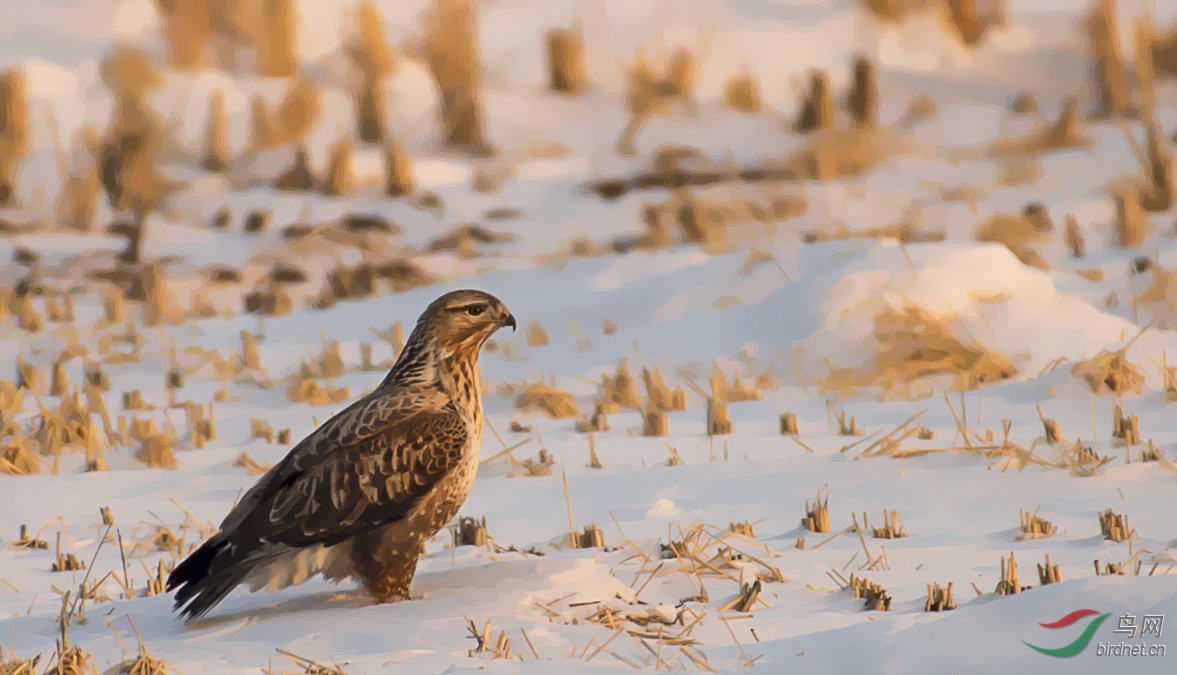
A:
{"x":385,"y":568}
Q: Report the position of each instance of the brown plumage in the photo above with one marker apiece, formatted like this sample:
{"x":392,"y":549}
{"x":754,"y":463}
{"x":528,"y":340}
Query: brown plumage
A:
{"x":359,"y":495}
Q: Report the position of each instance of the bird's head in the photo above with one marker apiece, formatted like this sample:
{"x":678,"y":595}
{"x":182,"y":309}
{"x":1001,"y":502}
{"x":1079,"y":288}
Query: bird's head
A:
{"x":462,"y":320}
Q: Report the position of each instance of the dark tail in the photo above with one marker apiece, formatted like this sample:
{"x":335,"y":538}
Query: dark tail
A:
{"x":205,"y":577}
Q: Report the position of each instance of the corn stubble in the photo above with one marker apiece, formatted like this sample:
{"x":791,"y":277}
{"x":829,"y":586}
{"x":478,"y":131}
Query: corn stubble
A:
{"x":15,"y":130}
{"x":454,"y":60}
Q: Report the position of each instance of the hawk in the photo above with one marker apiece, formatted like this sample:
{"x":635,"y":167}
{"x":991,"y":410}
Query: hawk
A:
{"x":359,"y":496}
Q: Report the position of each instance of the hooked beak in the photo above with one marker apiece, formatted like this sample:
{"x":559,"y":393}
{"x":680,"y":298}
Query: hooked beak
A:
{"x":510,"y":321}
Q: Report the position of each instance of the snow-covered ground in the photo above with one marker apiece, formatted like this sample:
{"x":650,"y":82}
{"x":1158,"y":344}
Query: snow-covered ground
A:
{"x":798,"y":319}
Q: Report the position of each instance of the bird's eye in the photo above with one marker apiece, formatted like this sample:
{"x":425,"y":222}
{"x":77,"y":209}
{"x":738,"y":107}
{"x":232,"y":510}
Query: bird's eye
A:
{"x":475,"y":310}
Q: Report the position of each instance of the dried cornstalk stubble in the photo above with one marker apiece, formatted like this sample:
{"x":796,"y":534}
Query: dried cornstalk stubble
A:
{"x":818,"y":110}
{"x":275,"y":43}
{"x":453,"y":57}
{"x":566,"y":63}
{"x":216,"y":135}
{"x":1113,"y":96}
{"x":817,"y":518}
{"x":399,"y":180}
{"x":741,"y":92}
{"x":15,"y":130}
{"x":187,"y":30}
{"x":863,"y":101}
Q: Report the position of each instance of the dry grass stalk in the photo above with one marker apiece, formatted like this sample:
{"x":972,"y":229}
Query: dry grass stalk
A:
{"x":850,"y":428}
{"x":648,"y":94}
{"x":1130,"y":221}
{"x":1110,"y":372}
{"x":596,"y":422}
{"x":741,"y":92}
{"x":915,"y":344}
{"x":818,"y":110}
{"x":1158,"y":163}
{"x":655,"y":422}
{"x":275,"y":45}
{"x":310,"y":392}
{"x":745,"y":601}
{"x":1052,"y":431}
{"x":1114,"y":526}
{"x":262,"y":133}
{"x":216,"y":135}
{"x":540,"y":465}
{"x":1074,"y":238}
{"x":1033,"y":527}
{"x":156,"y":452}
{"x":536,"y":335}
{"x":892,"y":528}
{"x":621,"y":388}
{"x":340,"y":178}
{"x":971,"y":23}
{"x":876,"y":598}
{"x":157,"y":584}
{"x":470,"y":531}
{"x":16,"y":457}
{"x":1113,"y":96}
{"x":15,"y":665}
{"x":59,"y":382}
{"x":1109,"y":568}
{"x":566,"y":63}
{"x":73,"y":661}
{"x":1150,"y":453}
{"x":453,"y":57}
{"x":1024,"y":103}
{"x":863,"y":101}
{"x":11,"y":397}
{"x":15,"y":130}
{"x":251,"y":465}
{"x":370,"y":51}
{"x":1048,"y":574}
{"x":817,"y":519}
{"x":659,"y":395}
{"x":718,"y":422}
{"x":65,"y":562}
{"x":187,"y":30}
{"x":1009,"y":583}
{"x":24,"y":541}
{"x":1124,"y":428}
{"x":75,"y":206}
{"x":744,"y":528}
{"x":399,"y":180}
{"x":331,"y":363}
{"x":1164,"y":52}
{"x":28,"y":319}
{"x":27,"y":376}
{"x":129,"y":75}
{"x":250,"y":360}
{"x":499,"y":648}
{"x":553,"y":402}
{"x":371,"y":110}
{"x":260,"y":428}
{"x":939,"y":599}
{"x":297,"y":178}
{"x":271,"y":301}
{"x":297,"y":113}
{"x":590,"y":537}
{"x":789,"y":424}
{"x":201,"y":428}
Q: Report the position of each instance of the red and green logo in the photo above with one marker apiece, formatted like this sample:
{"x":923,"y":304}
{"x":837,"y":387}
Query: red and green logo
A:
{"x":1080,"y":643}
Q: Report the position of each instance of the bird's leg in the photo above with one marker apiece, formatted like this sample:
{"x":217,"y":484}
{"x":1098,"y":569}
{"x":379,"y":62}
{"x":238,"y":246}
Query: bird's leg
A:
{"x":386,"y":574}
